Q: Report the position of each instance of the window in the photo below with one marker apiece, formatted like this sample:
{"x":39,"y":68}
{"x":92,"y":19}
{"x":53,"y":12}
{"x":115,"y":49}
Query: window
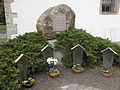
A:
{"x":2,"y":13}
{"x":109,"y":7}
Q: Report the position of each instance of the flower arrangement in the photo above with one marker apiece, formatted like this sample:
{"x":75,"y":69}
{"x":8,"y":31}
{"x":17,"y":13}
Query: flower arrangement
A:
{"x":77,"y":68}
{"x":107,"y":72}
{"x":28,"y":83}
{"x":52,"y":62}
{"x":53,"y":72}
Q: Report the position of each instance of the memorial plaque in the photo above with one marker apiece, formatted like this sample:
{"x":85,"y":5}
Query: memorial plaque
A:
{"x":59,"y":22}
{"x":78,"y":54}
{"x":22,"y":63}
{"x":47,"y":52}
{"x":108,"y":56}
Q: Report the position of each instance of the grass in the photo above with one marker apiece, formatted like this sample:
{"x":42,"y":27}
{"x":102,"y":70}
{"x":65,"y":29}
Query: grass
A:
{"x":2,"y":28}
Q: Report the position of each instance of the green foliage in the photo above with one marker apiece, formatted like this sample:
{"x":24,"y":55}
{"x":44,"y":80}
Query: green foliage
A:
{"x":29,"y":44}
{"x":93,"y":46}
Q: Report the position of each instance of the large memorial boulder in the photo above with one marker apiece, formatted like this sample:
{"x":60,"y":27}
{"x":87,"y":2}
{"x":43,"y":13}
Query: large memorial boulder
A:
{"x":56,"y":19}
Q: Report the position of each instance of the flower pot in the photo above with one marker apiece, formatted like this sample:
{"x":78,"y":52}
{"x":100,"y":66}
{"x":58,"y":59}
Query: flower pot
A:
{"x":107,"y":74}
{"x":77,"y":68}
{"x":77,"y":71}
{"x":28,"y":85}
{"x":53,"y":75}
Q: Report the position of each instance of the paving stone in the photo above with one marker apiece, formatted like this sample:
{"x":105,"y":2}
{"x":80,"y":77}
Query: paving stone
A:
{"x":88,"y":80}
{"x":72,"y":88}
{"x":81,"y":87}
{"x":89,"y":88}
{"x":63,"y":89}
{"x":97,"y":89}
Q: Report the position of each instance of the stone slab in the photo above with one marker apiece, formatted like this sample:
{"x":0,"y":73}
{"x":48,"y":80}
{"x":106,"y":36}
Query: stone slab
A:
{"x":59,"y":22}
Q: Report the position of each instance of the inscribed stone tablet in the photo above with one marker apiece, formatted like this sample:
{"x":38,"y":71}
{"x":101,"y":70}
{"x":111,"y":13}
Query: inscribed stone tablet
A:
{"x":59,"y":22}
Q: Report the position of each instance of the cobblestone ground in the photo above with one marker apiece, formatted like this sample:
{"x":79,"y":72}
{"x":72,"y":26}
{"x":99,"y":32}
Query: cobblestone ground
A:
{"x":87,"y":80}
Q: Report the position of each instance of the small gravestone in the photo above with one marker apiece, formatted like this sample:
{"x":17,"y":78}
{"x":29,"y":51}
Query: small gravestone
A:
{"x":22,"y":63}
{"x":59,"y":22}
{"x":48,"y":53}
{"x":78,"y":54}
{"x":108,"y":56}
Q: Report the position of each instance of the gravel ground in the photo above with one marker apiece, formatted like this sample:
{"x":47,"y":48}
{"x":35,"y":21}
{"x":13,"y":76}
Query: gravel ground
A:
{"x":87,"y":80}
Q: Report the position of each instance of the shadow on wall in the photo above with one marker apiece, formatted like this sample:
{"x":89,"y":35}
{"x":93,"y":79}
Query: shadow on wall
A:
{"x":3,"y":33}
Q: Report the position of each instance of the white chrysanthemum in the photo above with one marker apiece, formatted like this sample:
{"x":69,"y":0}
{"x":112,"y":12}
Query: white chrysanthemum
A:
{"x":49,"y":60}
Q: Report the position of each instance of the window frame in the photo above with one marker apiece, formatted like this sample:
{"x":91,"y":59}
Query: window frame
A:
{"x":114,"y":12}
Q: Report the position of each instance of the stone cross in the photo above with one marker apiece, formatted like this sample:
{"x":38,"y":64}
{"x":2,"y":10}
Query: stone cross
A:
{"x":47,"y":53}
{"x":59,"y":22}
{"x":108,"y":55}
{"x":22,"y":63}
{"x":78,"y":54}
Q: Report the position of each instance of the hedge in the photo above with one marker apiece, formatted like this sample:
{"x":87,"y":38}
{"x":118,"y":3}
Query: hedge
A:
{"x":29,"y":44}
{"x":93,"y":46}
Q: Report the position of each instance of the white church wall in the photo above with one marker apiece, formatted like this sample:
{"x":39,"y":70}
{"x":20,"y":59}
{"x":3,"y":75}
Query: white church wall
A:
{"x":87,"y":12}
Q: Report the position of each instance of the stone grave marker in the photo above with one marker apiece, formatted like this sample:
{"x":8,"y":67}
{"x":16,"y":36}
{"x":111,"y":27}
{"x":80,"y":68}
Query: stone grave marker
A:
{"x":22,"y":63}
{"x":78,"y":54}
{"x":56,"y":19}
{"x":108,"y":56}
{"x":47,"y":53}
{"x":59,"y":22}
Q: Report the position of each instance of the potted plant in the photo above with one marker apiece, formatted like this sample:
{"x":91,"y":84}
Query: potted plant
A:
{"x":77,"y":68}
{"x":107,"y":72}
{"x":28,"y":83}
{"x":53,"y":72}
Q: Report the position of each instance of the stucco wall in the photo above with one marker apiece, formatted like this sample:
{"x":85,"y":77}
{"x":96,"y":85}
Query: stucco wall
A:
{"x":9,"y":15}
{"x":87,"y":16}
